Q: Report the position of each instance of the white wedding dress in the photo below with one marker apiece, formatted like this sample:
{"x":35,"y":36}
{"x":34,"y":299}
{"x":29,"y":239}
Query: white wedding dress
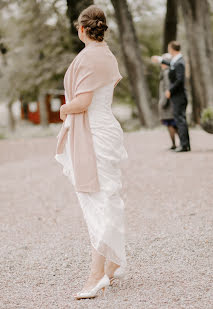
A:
{"x":103,"y":211}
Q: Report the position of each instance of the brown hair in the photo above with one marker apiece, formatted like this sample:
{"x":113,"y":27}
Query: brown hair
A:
{"x":94,"y":21}
{"x":175,"y":45}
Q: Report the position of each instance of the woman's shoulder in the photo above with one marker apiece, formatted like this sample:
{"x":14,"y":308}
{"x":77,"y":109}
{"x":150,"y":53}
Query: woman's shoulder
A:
{"x":102,"y":50}
{"x":100,"y":57}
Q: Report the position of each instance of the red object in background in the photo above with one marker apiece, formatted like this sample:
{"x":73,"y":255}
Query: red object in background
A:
{"x":54,"y":116}
{"x":34,"y":116}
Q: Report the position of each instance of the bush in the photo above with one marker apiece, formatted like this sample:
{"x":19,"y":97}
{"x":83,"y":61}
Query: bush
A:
{"x":207,"y":120}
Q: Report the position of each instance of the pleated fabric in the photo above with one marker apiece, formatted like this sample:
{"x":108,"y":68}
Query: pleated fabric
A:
{"x":104,"y":211}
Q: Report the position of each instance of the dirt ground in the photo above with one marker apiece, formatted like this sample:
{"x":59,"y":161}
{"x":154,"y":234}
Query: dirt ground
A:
{"x":45,"y":251}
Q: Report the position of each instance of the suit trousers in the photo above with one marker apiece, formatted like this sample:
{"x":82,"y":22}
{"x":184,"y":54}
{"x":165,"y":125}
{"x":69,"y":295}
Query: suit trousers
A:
{"x":180,"y":119}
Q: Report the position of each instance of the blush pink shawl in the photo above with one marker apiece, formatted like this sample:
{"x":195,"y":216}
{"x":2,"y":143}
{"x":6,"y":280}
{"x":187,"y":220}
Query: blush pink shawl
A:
{"x":93,"y":67}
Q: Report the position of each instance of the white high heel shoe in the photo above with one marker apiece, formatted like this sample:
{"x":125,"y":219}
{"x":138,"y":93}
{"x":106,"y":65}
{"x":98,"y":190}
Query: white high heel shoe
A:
{"x":120,"y":273}
{"x":102,"y":284}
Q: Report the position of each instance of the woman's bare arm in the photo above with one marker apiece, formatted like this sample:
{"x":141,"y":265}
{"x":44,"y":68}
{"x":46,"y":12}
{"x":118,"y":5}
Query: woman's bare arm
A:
{"x":78,"y":105}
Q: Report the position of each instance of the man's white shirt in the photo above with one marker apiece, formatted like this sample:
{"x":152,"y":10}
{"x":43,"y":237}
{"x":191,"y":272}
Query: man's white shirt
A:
{"x":174,"y":59}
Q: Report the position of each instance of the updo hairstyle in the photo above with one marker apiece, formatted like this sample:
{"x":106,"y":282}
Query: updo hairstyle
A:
{"x":94,"y":21}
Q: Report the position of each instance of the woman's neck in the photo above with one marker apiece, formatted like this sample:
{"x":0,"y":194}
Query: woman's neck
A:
{"x":88,"y":42}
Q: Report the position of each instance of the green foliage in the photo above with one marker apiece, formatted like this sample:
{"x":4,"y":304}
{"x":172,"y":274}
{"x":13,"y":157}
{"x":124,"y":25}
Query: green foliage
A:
{"x":207,"y":115}
{"x":207,"y":119}
{"x":38,"y":41}
{"x":152,"y":76}
{"x":149,"y":27}
{"x":2,"y":136}
{"x":122,"y":92}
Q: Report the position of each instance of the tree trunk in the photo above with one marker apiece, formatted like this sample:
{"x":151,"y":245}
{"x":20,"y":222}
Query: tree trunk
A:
{"x":74,"y":8}
{"x":11,"y":119}
{"x":43,"y":110}
{"x":170,"y":24}
{"x":133,"y":62}
{"x":200,"y":48}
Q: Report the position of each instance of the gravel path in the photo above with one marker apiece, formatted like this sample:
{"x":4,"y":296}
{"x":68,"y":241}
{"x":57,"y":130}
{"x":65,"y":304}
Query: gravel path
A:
{"x":44,"y":244}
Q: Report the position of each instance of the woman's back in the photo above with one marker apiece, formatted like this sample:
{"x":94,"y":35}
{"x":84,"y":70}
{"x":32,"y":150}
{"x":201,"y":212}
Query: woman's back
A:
{"x":100,"y":110}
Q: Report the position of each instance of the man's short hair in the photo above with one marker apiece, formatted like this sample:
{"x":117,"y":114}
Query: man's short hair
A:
{"x":175,"y":45}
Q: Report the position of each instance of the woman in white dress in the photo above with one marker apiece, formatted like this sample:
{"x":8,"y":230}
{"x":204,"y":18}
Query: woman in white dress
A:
{"x":103,"y":210}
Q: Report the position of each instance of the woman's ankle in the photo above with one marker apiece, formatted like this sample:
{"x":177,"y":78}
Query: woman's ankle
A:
{"x":96,"y":274}
{"x":112,"y":265}
{"x":110,"y":268}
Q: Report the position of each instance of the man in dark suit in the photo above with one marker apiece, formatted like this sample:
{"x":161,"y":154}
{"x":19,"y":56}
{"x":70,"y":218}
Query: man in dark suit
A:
{"x":177,"y":92}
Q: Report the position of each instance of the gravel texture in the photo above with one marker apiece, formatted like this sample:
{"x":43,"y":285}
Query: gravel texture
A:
{"x":45,"y":252}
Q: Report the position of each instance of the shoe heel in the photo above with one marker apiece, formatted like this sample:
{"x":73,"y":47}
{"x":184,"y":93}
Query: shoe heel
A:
{"x":111,"y":281}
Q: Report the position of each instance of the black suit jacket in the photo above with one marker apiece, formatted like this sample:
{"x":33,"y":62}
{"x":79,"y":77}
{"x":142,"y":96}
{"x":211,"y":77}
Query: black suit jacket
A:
{"x":177,"y":81}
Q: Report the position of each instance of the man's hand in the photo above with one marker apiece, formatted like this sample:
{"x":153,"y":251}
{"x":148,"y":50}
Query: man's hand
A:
{"x":168,"y":94}
{"x":63,"y":116}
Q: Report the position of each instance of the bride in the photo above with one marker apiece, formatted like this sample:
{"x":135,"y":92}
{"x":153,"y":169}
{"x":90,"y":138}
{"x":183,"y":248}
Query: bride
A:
{"x":90,"y":148}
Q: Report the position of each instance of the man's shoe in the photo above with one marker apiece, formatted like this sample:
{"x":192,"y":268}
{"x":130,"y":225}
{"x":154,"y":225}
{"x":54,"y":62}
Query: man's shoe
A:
{"x":183,"y":149}
{"x":172,"y":148}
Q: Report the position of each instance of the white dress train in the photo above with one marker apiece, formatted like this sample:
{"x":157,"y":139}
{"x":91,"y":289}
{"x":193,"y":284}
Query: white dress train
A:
{"x":103,"y":211}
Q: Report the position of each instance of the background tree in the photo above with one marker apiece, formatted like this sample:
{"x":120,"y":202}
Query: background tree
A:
{"x":36,"y":35}
{"x":74,"y":8}
{"x":170,"y":24}
{"x":133,"y":62}
{"x":196,"y":16}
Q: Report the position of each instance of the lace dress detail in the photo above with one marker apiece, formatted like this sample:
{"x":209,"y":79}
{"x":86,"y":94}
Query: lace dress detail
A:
{"x":103,"y":211}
